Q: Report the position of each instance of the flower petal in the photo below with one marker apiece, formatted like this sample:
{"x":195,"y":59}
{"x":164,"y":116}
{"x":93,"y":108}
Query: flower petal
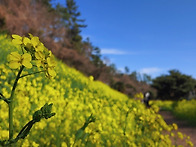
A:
{"x":51,"y":62}
{"x":40,"y":48}
{"x":27,"y":57}
{"x":51,"y":72}
{"x":35,"y":41}
{"x":39,"y":55}
{"x":38,"y":63}
{"x":27,"y":64}
{"x":14,"y":65}
{"x":16,"y":36}
{"x":30,"y":35}
{"x":14,"y":56}
{"x":16,"y":41}
{"x":26,"y":41}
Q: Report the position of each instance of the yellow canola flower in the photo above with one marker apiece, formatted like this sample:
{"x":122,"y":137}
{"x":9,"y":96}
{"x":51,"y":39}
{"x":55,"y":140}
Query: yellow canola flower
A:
{"x":26,"y":41}
{"x":50,"y":67}
{"x":40,"y":56}
{"x":39,"y":46}
{"x":18,"y":40}
{"x":16,"y":60}
{"x":180,"y":135}
{"x":175,"y":126}
{"x":91,"y":78}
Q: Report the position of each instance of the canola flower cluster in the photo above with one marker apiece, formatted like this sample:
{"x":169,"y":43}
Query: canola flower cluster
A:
{"x":120,"y":121}
{"x":32,"y":49}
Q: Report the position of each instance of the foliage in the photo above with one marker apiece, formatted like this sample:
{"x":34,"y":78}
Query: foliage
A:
{"x":145,"y":78}
{"x":173,"y":86}
{"x":119,"y":121}
{"x":166,"y":105}
{"x":70,"y":18}
{"x":31,"y":50}
{"x":184,"y":110}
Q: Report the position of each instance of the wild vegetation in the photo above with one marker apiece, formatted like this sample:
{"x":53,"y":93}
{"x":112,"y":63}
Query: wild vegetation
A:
{"x":88,"y":112}
{"x":184,"y":110}
{"x":175,"y":86}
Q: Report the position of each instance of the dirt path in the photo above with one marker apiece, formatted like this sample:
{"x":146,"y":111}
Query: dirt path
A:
{"x":182,"y":125}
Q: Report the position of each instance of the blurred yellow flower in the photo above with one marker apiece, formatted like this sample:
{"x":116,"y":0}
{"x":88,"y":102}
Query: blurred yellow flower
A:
{"x":16,"y":60}
{"x":91,"y":78}
{"x":180,"y":135}
{"x":175,"y":126}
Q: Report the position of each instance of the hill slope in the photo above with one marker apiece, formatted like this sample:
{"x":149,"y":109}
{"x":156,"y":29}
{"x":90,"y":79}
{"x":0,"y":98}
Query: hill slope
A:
{"x":120,"y":121}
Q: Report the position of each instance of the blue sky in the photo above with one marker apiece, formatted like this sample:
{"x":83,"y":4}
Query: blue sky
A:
{"x":148,"y":36}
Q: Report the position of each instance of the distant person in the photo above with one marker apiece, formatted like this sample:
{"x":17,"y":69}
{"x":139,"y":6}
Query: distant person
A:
{"x":146,"y":99}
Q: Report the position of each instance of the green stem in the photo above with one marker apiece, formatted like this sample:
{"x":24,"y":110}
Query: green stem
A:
{"x":11,"y":128}
{"x":4,"y":99}
{"x":31,"y":74}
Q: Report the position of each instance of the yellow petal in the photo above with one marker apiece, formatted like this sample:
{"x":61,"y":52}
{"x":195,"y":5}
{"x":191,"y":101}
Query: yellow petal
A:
{"x":14,"y":65}
{"x":27,"y":64}
{"x":39,"y":48}
{"x":51,"y":62}
{"x":30,"y":35}
{"x":26,"y":57}
{"x":16,"y":36}
{"x":51,"y":72}
{"x":38,"y":63}
{"x":26,"y":41}
{"x":39,"y":55}
{"x":17,"y":41}
{"x":35,"y":41}
{"x":14,"y":56}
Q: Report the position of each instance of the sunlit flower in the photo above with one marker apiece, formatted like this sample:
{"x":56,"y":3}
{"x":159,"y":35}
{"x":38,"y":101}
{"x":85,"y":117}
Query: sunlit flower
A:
{"x":91,"y":78}
{"x":26,"y":41}
{"x":16,"y":60}
{"x":180,"y":135}
{"x":17,"y":39}
{"x":50,"y":72}
{"x":175,"y":126}
{"x":36,"y":43}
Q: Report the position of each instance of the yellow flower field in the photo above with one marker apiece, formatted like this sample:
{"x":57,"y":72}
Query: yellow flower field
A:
{"x":120,"y":121}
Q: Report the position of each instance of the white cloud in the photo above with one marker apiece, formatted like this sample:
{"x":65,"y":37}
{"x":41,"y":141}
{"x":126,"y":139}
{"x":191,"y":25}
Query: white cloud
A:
{"x":112,"y":51}
{"x":151,"y":70}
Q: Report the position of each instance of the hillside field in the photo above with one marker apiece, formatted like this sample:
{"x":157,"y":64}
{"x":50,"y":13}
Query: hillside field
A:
{"x":120,"y":121}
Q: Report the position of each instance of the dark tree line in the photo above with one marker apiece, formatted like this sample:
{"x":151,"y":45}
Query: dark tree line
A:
{"x":174,"y":86}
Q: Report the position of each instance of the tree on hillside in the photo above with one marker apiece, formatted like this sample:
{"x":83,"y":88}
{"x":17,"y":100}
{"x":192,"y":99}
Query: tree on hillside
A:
{"x":146,"y":78}
{"x":173,"y":86}
{"x":47,"y":3}
{"x":127,"y":70}
{"x":70,"y":17}
{"x":133,"y":76}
